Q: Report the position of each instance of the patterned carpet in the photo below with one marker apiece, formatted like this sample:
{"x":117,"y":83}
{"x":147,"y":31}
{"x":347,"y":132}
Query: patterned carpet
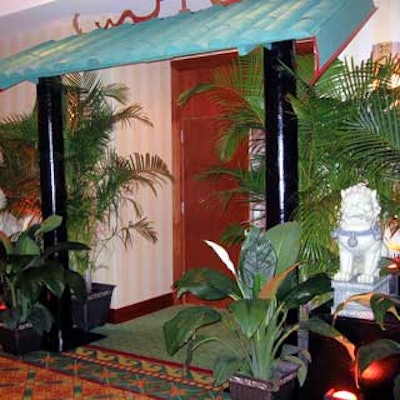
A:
{"x":92,"y":372}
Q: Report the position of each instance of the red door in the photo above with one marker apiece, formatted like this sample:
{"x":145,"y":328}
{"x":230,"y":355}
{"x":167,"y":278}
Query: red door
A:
{"x":198,"y":215}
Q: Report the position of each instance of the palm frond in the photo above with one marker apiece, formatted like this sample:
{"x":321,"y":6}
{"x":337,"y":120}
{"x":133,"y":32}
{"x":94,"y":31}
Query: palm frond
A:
{"x":143,"y":227}
{"x":134,"y":112}
{"x":147,"y":170}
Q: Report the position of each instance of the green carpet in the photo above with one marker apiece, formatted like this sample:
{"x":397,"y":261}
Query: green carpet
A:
{"x":144,"y":336}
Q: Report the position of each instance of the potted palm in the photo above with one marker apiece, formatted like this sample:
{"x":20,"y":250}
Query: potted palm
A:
{"x":262,"y":290}
{"x":99,"y":180}
{"x":26,"y":271}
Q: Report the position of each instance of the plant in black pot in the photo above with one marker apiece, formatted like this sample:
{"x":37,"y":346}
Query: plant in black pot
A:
{"x":263,"y":289}
{"x":26,"y":272}
{"x":101,"y":181}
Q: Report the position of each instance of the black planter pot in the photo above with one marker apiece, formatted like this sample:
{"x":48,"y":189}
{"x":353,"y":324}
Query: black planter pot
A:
{"x":93,"y":311}
{"x":284,"y":387}
{"x":19,"y":341}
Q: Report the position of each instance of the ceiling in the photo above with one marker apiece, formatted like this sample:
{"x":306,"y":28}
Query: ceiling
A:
{"x":12,"y":7}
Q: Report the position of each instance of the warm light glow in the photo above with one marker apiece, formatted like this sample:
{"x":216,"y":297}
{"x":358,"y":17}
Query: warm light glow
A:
{"x":374,"y":372}
{"x":344,"y":395}
{"x":392,"y":267}
{"x":334,"y":394}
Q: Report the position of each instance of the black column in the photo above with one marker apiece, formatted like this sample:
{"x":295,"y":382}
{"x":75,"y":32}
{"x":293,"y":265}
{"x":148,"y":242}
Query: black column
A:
{"x":53,"y":191}
{"x":281,"y":134}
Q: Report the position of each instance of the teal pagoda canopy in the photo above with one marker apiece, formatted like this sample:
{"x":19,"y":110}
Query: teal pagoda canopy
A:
{"x":327,"y":24}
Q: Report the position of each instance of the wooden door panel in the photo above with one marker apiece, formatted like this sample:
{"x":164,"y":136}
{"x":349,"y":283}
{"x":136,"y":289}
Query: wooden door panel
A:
{"x":204,"y":215}
{"x":198,"y":214}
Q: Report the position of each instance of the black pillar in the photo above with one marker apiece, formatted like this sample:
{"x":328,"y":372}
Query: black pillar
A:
{"x":53,"y":191}
{"x":281,"y":134}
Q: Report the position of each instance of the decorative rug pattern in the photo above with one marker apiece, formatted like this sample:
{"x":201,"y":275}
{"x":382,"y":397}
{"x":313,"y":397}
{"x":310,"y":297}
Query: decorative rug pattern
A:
{"x":91,"y":372}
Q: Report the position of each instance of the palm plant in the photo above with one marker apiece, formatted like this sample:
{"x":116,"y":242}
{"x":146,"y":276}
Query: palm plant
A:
{"x":348,"y":132}
{"x":19,"y":168}
{"x":99,"y":180}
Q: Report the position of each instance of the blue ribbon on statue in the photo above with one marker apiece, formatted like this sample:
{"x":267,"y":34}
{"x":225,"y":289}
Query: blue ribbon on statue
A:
{"x":374,"y":230}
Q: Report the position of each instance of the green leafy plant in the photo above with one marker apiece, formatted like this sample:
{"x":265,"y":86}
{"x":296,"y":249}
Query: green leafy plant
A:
{"x":262,"y":290}
{"x":363,"y":356}
{"x":26,"y":270}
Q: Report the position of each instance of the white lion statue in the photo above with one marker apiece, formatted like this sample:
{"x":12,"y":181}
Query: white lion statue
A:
{"x":359,"y":235}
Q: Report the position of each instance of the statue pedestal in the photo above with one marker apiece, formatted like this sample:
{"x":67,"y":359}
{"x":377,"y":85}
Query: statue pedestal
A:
{"x":343,"y":290}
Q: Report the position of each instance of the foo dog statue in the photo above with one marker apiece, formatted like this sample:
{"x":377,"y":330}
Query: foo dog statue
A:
{"x":359,"y":235}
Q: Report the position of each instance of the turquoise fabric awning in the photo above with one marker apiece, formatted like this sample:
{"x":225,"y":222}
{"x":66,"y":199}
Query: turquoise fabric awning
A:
{"x":328,"y":24}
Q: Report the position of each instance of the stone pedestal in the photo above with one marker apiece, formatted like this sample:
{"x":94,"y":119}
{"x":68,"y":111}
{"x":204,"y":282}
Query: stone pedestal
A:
{"x":343,"y":290}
